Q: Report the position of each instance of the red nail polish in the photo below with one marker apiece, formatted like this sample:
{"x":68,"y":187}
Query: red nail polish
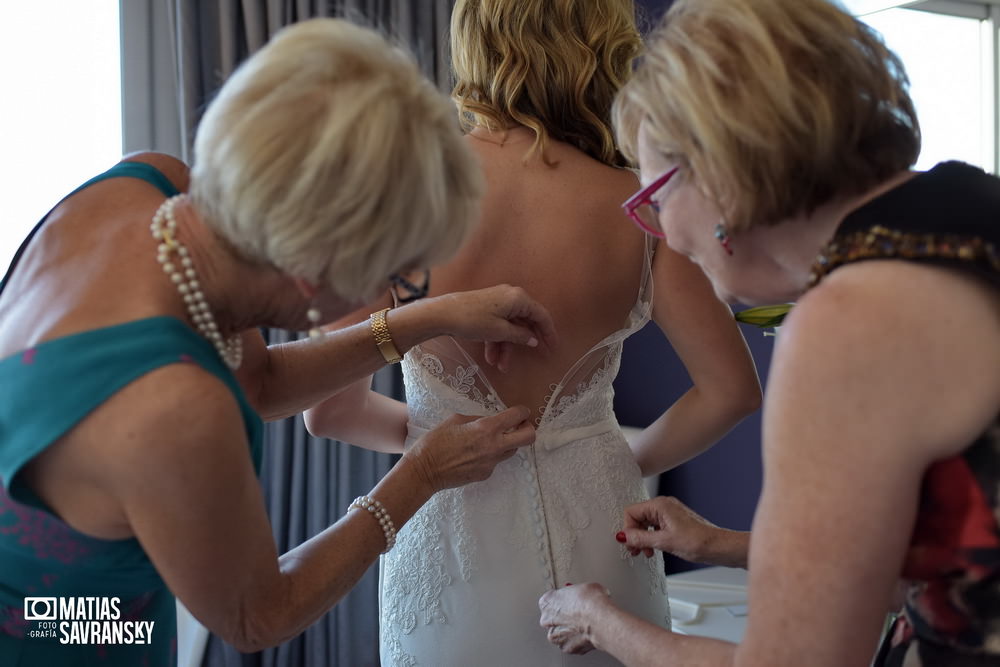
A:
{"x":620,"y":536}
{"x":569,"y":584}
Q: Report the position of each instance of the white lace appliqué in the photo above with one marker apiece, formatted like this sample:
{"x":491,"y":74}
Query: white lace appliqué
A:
{"x":463,"y":380}
{"x":536,"y":507}
{"x":590,"y":399}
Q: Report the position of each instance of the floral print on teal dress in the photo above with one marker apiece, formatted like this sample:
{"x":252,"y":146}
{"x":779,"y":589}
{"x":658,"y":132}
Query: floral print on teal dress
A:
{"x":45,"y":391}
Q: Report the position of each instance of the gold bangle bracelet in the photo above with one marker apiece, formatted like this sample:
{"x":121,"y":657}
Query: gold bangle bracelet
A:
{"x":383,"y":339}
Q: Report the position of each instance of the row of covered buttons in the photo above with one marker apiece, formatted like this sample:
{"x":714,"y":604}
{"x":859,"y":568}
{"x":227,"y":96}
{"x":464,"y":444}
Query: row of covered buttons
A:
{"x":530,"y":480}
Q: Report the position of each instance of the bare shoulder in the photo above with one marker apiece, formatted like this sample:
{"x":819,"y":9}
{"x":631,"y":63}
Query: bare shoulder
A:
{"x":596,"y":189}
{"x":623,"y":180}
{"x":904,"y":341}
{"x":175,"y":170}
{"x":620,"y":182}
{"x":888,"y":298}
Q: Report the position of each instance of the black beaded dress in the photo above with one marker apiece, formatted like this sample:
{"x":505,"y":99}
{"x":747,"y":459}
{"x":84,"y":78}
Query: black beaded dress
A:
{"x":948,"y":216}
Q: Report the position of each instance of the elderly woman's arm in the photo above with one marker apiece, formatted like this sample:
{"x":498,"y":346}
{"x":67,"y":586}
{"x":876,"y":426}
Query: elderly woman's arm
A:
{"x":705,"y":336}
{"x":189,"y":494}
{"x":848,"y":436}
{"x":283,"y":380}
{"x":680,"y":531}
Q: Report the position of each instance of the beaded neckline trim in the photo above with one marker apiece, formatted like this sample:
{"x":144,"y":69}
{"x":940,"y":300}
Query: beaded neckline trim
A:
{"x":880,"y":242}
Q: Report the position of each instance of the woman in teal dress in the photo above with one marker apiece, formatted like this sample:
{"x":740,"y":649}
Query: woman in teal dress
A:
{"x":134,"y":378}
{"x":776,"y":140}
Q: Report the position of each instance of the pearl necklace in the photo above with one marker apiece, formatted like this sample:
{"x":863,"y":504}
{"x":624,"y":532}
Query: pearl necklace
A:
{"x":163,"y":227}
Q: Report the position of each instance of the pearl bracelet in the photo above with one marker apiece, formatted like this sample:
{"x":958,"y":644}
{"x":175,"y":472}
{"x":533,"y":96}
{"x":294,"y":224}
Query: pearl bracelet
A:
{"x":378,"y":511}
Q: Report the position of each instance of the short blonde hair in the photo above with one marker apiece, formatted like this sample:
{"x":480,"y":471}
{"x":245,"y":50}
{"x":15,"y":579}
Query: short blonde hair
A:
{"x":776,"y":106}
{"x":551,"y":65}
{"x":329,"y":156}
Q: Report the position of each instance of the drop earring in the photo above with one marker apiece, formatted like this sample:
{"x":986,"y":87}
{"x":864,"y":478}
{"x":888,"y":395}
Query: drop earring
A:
{"x":314,"y":317}
{"x":723,"y":236}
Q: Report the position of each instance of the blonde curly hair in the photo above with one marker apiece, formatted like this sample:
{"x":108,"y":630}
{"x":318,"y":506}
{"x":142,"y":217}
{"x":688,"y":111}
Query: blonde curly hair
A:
{"x":553,"y":66}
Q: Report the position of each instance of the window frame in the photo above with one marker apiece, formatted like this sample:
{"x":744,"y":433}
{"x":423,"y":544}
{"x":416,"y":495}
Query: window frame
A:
{"x":986,"y":11}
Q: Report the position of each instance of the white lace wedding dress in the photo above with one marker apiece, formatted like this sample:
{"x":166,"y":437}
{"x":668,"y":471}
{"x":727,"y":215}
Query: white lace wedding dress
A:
{"x":461,"y":586}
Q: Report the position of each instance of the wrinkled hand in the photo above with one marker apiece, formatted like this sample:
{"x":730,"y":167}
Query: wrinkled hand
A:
{"x":467,"y":449}
{"x":676,"y":529}
{"x":568,"y":614}
{"x":500,"y":316}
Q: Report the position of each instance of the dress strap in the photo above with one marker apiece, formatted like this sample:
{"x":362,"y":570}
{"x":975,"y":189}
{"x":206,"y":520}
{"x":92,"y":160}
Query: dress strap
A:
{"x":594,"y":358}
{"x":141,"y":170}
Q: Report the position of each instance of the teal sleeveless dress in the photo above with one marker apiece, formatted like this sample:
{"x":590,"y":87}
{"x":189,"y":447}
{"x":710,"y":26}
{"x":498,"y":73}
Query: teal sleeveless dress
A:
{"x":57,"y":585}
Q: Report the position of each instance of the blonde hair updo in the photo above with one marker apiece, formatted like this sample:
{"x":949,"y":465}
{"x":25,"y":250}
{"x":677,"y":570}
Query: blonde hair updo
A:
{"x":329,"y":156}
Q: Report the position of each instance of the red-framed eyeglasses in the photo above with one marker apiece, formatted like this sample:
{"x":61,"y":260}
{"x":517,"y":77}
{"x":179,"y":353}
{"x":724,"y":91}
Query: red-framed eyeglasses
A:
{"x":643,"y":210}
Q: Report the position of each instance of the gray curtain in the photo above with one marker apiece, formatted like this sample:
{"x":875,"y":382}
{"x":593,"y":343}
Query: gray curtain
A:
{"x":308,"y":482}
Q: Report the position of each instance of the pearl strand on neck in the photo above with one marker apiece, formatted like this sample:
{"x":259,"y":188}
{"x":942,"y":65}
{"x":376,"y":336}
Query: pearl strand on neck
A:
{"x":185,"y":278}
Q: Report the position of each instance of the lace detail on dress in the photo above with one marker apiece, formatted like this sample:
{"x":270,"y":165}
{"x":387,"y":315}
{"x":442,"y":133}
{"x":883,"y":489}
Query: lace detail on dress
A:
{"x":416,"y":572}
{"x":593,"y":478}
{"x":578,"y":394}
{"x":438,"y":386}
{"x":413,"y":584}
{"x":400,"y":658}
{"x":440,"y":540}
{"x":463,"y":380}
{"x":543,"y":514}
{"x":587,"y":403}
{"x":501,"y":499}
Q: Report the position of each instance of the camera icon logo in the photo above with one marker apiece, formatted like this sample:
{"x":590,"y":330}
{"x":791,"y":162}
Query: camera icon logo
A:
{"x":40,"y":609}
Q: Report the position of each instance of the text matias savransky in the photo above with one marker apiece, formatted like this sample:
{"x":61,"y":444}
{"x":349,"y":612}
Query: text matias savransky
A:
{"x":84,"y":620}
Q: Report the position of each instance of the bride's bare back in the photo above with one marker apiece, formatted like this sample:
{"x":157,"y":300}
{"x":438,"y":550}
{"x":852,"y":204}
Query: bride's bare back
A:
{"x":558,"y":231}
{"x":555,"y":228}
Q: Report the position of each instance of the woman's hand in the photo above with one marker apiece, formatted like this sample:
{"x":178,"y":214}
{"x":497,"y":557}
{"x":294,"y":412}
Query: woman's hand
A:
{"x":568,"y":613}
{"x":667,"y":524}
{"x":467,"y":449}
{"x":500,"y":316}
